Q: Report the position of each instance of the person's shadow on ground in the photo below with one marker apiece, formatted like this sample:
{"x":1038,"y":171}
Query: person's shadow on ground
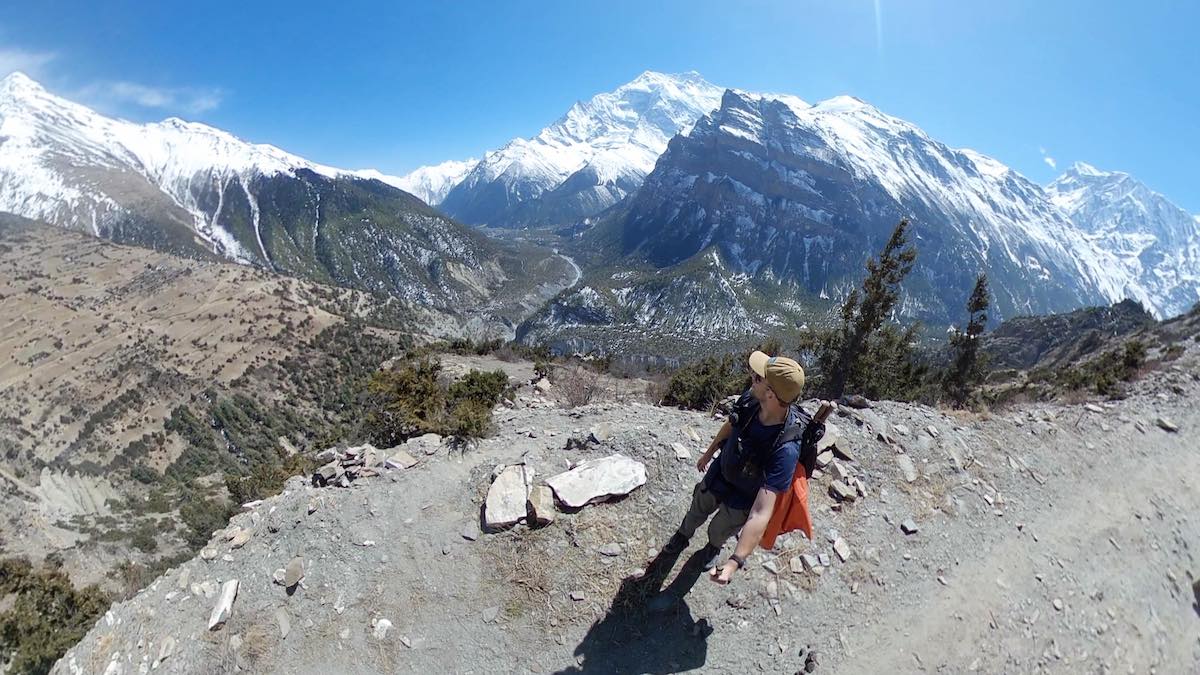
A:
{"x":647,"y":630}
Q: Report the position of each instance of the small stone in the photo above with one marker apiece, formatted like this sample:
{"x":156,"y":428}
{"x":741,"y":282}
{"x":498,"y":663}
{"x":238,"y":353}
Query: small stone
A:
{"x":294,"y":572}
{"x":932,"y":431}
{"x":611,"y":550}
{"x":796,"y":565}
{"x":285,"y":622}
{"x":842,"y":549}
{"x":1092,"y":407}
{"x":382,"y":626}
{"x":601,"y":433}
{"x":1058,"y":604}
{"x":165,"y":651}
{"x":907,"y":468}
{"x":810,"y":562}
{"x":771,"y":567}
{"x":681,"y":452}
{"x":824,"y":458}
{"x":942,"y":580}
{"x":470,"y":532}
{"x":278,"y":576}
{"x":824,"y":559}
{"x":1166,"y":425}
{"x":842,"y":492}
{"x":224,"y":607}
{"x":908,"y":526}
{"x":543,"y":385}
{"x":839,"y":472}
{"x":227,"y":558}
{"x":208,"y":553}
{"x":577,"y":596}
{"x":901,"y":429}
{"x":489,"y":615}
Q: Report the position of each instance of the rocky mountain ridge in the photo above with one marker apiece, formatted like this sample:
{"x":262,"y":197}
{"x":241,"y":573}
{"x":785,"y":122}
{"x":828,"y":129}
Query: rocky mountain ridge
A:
{"x":189,"y":189}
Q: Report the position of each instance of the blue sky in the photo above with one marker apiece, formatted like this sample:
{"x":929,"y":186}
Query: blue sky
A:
{"x":396,"y":85}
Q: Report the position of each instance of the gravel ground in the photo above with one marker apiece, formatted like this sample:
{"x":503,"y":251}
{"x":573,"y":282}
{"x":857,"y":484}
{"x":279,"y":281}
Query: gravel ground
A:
{"x":1050,"y":539}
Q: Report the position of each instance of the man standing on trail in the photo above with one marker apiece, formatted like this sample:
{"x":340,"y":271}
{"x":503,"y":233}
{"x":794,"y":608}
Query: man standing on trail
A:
{"x":761,"y":444}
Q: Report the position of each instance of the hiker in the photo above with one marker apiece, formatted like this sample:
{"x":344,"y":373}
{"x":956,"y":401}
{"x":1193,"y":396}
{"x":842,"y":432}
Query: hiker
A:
{"x":761,"y":444}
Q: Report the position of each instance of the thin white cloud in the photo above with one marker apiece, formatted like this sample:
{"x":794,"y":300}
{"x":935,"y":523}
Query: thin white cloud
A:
{"x":188,"y":100}
{"x":1048,"y":159}
{"x":31,"y":63}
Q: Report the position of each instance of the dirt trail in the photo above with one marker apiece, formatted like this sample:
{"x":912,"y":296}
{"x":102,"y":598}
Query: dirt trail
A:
{"x":1104,"y":549}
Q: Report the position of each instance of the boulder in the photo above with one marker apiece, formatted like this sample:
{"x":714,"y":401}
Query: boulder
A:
{"x":400,"y":459}
{"x":507,"y":497}
{"x":541,"y":505}
{"x":597,"y":480}
{"x":854,"y":401}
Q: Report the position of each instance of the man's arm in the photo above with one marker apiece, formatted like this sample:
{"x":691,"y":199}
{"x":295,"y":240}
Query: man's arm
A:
{"x":752,"y":532}
{"x":717,"y":442}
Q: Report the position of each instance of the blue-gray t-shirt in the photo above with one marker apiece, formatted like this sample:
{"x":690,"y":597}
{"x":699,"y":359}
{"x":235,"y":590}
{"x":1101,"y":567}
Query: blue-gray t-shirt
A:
{"x":778,"y":467}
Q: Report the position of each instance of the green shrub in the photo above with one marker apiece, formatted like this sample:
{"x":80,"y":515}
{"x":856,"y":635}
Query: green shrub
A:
{"x":405,"y":402}
{"x":469,"y":419}
{"x":47,"y":616}
{"x":701,"y":384}
{"x":202,"y":517}
{"x":480,"y":387}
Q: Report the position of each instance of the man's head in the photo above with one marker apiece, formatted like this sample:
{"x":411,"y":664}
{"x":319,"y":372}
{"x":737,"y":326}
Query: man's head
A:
{"x":777,"y":380}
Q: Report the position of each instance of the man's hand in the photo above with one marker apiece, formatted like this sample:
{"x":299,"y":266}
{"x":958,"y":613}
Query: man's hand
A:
{"x":702,"y":463}
{"x":723,"y":574}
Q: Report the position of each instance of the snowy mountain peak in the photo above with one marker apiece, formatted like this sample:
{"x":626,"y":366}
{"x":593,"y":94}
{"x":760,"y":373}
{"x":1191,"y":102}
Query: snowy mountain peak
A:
{"x":1151,"y":241}
{"x":431,"y":183}
{"x":588,"y":159}
{"x":17,"y":83}
{"x":1085,"y":169}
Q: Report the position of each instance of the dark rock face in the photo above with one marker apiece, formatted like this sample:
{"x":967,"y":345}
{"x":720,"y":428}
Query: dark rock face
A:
{"x":805,"y":194}
{"x":1026,"y":341}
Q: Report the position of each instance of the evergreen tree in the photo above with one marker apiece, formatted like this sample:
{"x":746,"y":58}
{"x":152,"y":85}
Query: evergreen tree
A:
{"x":966,"y":369}
{"x":863,"y":314}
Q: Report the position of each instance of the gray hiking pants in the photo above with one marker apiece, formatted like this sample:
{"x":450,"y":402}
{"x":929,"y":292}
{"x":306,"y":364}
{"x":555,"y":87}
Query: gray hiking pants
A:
{"x":723,"y":525}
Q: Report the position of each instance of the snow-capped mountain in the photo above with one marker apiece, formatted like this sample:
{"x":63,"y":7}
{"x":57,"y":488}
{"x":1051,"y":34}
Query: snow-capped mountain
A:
{"x":588,"y":160}
{"x":794,"y":197}
{"x":431,"y":183}
{"x":191,"y":189}
{"x":1153,"y":243}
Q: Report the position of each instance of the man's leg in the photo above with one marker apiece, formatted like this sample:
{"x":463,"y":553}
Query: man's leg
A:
{"x":703,"y":504}
{"x":725,"y":524}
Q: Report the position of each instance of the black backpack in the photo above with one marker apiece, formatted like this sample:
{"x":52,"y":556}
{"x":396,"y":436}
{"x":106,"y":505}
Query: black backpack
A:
{"x":747,"y":469}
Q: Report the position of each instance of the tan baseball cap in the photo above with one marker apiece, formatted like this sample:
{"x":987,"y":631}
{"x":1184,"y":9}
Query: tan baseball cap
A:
{"x":783,"y":375}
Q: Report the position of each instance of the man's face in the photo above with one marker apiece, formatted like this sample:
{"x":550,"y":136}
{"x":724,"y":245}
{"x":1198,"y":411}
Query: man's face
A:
{"x":758,"y":387}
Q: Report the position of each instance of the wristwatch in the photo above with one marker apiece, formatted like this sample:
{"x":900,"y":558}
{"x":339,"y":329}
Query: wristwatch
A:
{"x":741,"y":562}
